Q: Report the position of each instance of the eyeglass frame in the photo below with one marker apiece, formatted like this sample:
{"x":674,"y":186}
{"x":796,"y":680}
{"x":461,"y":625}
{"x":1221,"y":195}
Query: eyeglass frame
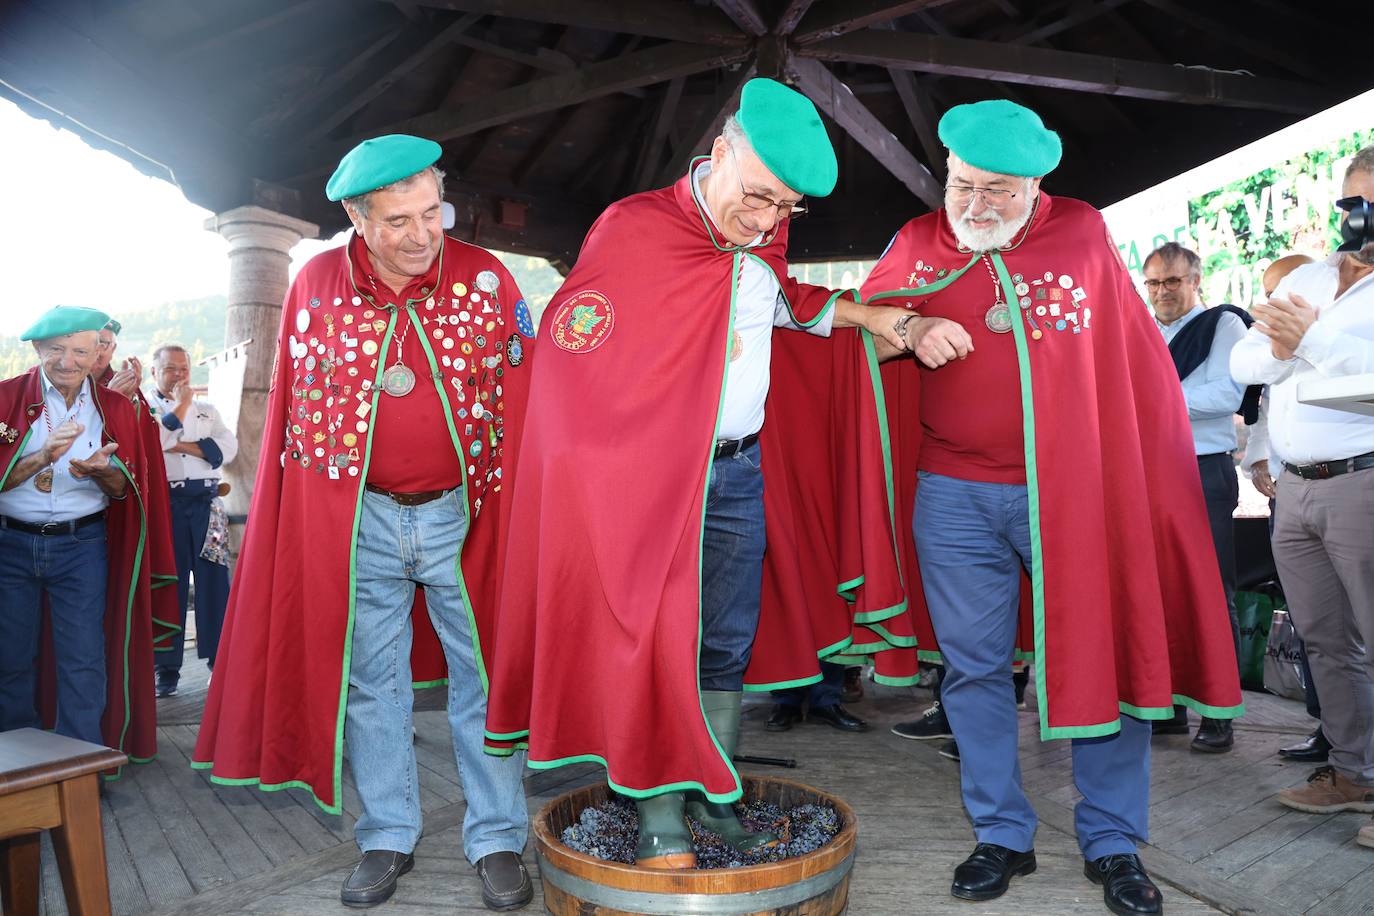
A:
{"x":785,"y":210}
{"x":1169,"y":283}
{"x":969,"y":192}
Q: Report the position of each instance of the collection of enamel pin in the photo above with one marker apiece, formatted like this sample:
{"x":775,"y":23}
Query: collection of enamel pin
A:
{"x":1049,"y":302}
{"x":335,"y":352}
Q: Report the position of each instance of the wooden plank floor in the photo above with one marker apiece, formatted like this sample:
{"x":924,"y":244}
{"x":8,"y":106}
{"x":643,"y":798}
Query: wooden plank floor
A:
{"x":178,"y":844}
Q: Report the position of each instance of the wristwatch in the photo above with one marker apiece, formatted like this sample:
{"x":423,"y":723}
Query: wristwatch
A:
{"x":900,"y":324}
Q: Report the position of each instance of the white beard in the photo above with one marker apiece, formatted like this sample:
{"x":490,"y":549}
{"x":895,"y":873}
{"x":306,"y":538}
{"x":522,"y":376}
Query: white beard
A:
{"x":991,"y":238}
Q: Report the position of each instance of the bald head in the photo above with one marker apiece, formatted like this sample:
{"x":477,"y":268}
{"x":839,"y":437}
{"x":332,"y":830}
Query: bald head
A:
{"x":1274,"y":273}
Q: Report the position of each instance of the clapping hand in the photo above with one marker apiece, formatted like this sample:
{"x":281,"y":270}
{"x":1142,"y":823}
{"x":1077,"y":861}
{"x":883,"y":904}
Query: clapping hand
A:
{"x":60,"y":440}
{"x":1284,"y":323}
{"x":97,"y":465}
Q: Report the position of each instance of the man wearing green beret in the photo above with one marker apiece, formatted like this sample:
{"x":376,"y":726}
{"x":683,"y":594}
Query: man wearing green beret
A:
{"x":640,"y":513}
{"x":74,"y":484}
{"x":1047,"y":437}
{"x":370,"y":557}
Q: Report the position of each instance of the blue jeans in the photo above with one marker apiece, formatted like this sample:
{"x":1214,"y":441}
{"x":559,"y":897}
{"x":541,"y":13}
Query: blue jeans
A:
{"x":400,"y":547}
{"x":823,"y":693}
{"x":190,"y":507}
{"x":973,"y":539}
{"x":71,"y":570}
{"x":732,"y":548}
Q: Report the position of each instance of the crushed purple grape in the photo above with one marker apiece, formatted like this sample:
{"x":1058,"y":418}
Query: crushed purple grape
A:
{"x":610,"y":831}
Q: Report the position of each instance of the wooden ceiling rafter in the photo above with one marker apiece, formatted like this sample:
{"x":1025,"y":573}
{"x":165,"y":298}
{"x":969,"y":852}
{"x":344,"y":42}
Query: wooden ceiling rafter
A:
{"x":1068,"y":70}
{"x":651,"y":18}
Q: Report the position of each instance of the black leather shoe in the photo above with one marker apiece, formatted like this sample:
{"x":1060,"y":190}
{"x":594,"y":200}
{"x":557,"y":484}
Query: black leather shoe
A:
{"x":505,"y":882}
{"x":1126,"y":889}
{"x":986,"y":874}
{"x":374,"y":880}
{"x":836,"y":717}
{"x":1214,"y":736}
{"x":1178,"y":725}
{"x":853,"y":685}
{"x":783,"y":718}
{"x":1314,"y":749}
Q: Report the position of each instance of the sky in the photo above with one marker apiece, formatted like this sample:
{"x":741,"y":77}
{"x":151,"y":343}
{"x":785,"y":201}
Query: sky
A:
{"x":83,"y":227}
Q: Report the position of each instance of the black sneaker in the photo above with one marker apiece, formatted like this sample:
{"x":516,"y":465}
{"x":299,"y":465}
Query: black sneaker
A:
{"x":932,"y":724}
{"x":167,"y":680}
{"x":950,"y":750}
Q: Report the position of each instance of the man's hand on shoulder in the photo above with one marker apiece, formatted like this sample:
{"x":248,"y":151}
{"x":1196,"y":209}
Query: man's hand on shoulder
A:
{"x":937,"y":341}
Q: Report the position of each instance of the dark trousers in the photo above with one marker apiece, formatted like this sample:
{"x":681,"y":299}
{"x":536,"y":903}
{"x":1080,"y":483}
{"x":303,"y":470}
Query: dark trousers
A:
{"x":190,"y":521}
{"x":732,"y":546}
{"x":71,"y":570}
{"x":823,"y":693}
{"x":1222,"y":492}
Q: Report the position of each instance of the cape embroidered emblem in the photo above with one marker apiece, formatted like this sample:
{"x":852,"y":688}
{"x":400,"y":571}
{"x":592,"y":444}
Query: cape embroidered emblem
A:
{"x":583,"y":321}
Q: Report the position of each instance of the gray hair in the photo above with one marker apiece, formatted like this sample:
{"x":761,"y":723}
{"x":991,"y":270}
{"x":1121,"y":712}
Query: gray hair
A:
{"x":169,"y":348}
{"x":362,"y":203}
{"x":1363,"y":162}
{"x":1173,"y":251}
{"x":732,"y":133}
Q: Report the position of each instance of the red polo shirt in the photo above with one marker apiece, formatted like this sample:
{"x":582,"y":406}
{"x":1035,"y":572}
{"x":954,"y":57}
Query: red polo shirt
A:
{"x":971,"y":408}
{"x":412,"y":451}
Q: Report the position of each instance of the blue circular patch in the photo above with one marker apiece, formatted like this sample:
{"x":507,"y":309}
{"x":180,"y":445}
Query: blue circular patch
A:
{"x":523,"y":321}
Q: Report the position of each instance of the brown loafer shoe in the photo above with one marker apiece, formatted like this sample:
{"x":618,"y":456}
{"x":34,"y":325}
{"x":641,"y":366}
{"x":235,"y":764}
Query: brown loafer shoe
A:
{"x":1327,"y":792}
{"x":506,"y":884}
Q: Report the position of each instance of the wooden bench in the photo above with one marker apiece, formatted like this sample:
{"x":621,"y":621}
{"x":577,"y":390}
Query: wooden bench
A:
{"x":49,"y":782}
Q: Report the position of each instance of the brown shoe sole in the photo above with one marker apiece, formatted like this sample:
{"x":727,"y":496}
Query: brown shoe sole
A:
{"x":1365,"y":807}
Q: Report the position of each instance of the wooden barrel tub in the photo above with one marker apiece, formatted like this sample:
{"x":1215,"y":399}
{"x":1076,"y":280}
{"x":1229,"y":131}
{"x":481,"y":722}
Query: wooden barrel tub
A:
{"x":576,"y":884}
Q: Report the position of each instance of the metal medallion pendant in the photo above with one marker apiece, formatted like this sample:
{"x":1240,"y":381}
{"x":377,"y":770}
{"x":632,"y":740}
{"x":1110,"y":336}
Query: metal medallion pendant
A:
{"x":398,"y":381}
{"x":43,"y":480}
{"x":998,"y":318}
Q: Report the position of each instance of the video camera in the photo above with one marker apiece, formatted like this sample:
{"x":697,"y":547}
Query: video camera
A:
{"x":1357,"y":230}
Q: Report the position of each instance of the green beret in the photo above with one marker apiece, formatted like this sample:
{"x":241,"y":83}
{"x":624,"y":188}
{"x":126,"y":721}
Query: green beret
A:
{"x":61,"y":320}
{"x":788,"y":137}
{"x":114,"y":327}
{"x":1002,"y":137}
{"x":378,"y":162}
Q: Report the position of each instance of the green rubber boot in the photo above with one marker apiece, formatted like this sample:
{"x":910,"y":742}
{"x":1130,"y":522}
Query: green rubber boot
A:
{"x":722,"y":708}
{"x":665,"y":840}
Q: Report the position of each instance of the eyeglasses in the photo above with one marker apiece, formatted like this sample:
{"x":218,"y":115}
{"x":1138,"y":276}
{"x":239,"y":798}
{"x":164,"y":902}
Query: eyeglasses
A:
{"x":996,"y":198}
{"x":1169,"y":283}
{"x":785,"y":209}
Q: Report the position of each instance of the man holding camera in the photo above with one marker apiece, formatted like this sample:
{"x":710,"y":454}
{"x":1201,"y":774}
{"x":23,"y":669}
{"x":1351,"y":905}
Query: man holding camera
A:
{"x":1320,"y":325}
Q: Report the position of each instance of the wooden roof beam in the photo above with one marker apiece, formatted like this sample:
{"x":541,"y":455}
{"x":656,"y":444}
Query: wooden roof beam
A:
{"x":1227,"y":32}
{"x":401,"y":55}
{"x":220,"y":34}
{"x":655,"y":18}
{"x":791,"y":15}
{"x":836,"y":99}
{"x":1068,"y":70}
{"x":550,"y":93}
{"x":745,"y":14}
{"x":706,"y":127}
{"x":652,"y":154}
{"x":841,"y":18}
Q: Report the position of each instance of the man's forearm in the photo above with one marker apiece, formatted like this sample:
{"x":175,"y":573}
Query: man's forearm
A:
{"x":188,"y":448}
{"x":25,"y":468}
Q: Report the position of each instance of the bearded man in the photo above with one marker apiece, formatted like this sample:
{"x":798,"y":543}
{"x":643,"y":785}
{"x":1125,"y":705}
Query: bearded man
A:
{"x":1041,"y":428}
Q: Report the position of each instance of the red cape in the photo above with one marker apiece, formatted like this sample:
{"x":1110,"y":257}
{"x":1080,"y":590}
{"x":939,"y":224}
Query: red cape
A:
{"x":600,"y":620}
{"x":275,"y":713}
{"x":1127,"y":612}
{"x":136,"y":534}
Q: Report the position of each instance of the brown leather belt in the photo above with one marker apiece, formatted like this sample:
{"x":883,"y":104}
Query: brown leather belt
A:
{"x":408,"y":499}
{"x":1327,"y":469}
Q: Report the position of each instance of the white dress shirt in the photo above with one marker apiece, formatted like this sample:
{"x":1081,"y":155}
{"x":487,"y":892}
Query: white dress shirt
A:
{"x":1340,"y":342}
{"x":759,"y":307}
{"x":1212,"y":395}
{"x":203,"y":426}
{"x":71,"y":497}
